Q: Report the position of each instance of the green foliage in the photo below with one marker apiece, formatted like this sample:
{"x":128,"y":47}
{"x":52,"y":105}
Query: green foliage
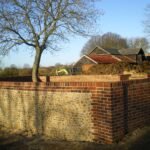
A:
{"x":67,"y":67}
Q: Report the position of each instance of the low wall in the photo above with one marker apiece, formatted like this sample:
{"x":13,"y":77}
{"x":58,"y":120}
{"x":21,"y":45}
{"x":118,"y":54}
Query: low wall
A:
{"x":84,"y":78}
{"x":77,"y":111}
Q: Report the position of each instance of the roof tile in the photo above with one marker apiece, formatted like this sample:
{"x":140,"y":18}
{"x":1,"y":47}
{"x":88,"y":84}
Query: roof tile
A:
{"x":104,"y":58}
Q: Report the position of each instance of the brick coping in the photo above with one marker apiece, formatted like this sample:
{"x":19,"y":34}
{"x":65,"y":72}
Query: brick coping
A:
{"x":77,"y":78}
{"x":72,"y":84}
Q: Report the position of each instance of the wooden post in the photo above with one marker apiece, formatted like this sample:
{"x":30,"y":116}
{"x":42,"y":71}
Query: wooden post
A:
{"x":124,"y":77}
{"x":47,"y":78}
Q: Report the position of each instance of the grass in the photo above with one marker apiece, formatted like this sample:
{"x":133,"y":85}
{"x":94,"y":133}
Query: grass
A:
{"x":137,"y":140}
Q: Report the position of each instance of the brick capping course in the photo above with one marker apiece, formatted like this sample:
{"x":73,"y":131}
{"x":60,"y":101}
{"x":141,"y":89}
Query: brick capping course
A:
{"x":85,"y":78}
{"x":71,"y":84}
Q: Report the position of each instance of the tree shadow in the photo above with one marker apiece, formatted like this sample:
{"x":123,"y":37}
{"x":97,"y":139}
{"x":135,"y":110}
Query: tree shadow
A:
{"x":43,"y":112}
{"x":51,"y":116}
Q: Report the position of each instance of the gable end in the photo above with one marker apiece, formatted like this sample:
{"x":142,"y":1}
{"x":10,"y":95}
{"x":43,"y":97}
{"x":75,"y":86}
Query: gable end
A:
{"x":84,"y":60}
{"x":98,"y":50}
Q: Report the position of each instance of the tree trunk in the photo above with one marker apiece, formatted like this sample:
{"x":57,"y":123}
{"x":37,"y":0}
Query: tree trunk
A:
{"x":36,"y":64}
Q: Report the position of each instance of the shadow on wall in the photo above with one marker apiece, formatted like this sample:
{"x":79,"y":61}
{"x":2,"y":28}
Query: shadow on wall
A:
{"x":53,"y":114}
{"x":60,"y":117}
{"x":125,"y":104}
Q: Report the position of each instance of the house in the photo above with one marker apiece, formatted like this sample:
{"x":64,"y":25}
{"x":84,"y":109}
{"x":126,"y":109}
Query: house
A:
{"x":100,"y":55}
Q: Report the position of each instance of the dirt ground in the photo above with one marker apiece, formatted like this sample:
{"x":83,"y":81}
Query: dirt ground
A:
{"x":137,"y":140}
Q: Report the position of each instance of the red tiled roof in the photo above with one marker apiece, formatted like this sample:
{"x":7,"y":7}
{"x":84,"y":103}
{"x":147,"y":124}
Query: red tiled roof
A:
{"x":104,"y":58}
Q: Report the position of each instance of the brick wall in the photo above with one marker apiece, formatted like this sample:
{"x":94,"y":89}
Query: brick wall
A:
{"x":130,"y":106}
{"x":81,"y":111}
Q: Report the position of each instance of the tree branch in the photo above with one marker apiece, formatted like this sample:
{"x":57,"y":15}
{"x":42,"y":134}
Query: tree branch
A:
{"x":17,"y":33}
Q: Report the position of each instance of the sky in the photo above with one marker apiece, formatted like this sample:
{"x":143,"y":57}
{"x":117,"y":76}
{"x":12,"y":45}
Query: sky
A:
{"x":123,"y":17}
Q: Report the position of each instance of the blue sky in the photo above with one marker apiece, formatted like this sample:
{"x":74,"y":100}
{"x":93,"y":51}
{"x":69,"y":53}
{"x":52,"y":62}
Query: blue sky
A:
{"x":120,"y":16}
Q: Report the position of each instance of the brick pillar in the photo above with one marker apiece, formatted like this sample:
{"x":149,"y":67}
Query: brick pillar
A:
{"x":119,"y":112}
{"x":110,"y":110}
{"x":102,"y":113}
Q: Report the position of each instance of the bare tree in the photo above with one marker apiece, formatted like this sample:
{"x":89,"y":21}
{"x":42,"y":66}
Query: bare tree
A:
{"x":107,"y":40}
{"x":139,"y":43}
{"x":39,"y":24}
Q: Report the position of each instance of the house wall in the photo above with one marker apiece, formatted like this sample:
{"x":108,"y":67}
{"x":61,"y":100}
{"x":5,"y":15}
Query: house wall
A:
{"x":86,"y":67}
{"x":133,"y":57}
{"x":77,"y":111}
{"x":82,"y":65}
{"x":83,"y":61}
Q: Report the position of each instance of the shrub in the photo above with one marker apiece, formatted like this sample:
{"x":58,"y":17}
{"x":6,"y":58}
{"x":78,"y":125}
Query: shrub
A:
{"x":25,"y":72}
{"x":66,"y":67}
{"x":9,"y":72}
{"x":117,"y":68}
{"x":14,"y":72}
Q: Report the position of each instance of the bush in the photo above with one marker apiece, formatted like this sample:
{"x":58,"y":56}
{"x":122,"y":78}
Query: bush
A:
{"x":25,"y":72}
{"x":66,"y":67}
{"x":9,"y":72}
{"x":14,"y":72}
{"x":117,"y":68}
